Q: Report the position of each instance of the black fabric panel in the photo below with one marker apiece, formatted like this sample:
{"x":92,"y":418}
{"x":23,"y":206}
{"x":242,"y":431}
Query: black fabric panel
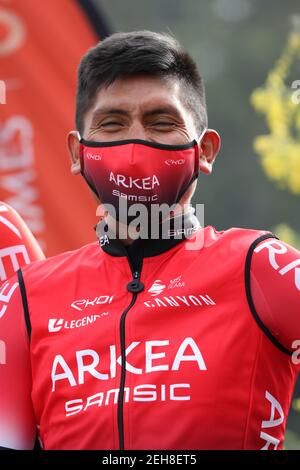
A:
{"x":24,"y":302}
{"x":156,"y":145}
{"x":249,"y":296}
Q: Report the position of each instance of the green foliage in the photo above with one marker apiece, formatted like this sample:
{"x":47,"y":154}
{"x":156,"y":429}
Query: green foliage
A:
{"x":287,"y":234}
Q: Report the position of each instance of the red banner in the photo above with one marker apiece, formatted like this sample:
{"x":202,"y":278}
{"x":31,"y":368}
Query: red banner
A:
{"x":41,"y":43}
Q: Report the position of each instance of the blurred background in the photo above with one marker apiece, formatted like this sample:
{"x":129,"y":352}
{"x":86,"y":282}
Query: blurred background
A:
{"x":248,"y":52}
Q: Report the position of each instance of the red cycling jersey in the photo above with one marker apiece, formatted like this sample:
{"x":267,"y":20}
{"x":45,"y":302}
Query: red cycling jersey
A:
{"x":170,"y":344}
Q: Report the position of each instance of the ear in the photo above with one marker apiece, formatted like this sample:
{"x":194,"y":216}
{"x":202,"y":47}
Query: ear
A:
{"x":209,"y":147}
{"x":73,"y":147}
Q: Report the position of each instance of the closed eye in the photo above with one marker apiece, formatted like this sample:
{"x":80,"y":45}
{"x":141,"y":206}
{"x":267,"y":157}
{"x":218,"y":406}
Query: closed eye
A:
{"x":111,"y":123}
{"x":164,"y":123}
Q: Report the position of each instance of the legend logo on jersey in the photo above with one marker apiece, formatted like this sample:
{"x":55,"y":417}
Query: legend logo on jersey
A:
{"x":56,"y":324}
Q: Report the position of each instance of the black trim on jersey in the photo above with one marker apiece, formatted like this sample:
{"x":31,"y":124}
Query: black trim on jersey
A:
{"x":24,"y":302}
{"x":135,"y":260}
{"x":249,"y":296}
{"x":123,"y":373}
{"x":156,"y":145}
{"x":98,"y":21}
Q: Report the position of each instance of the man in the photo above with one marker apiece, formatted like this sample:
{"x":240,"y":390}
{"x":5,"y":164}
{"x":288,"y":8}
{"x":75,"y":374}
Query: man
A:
{"x":187,"y":340}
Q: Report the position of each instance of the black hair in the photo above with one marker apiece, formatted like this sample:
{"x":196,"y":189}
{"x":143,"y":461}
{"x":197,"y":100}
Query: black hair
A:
{"x":139,"y":52}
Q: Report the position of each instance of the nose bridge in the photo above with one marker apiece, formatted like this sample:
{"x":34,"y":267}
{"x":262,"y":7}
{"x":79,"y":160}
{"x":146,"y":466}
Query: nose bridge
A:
{"x":137,"y":130}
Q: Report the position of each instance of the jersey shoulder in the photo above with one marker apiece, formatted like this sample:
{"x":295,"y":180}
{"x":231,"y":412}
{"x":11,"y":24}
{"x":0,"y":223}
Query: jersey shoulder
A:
{"x":60,"y":265}
{"x":235,"y":238}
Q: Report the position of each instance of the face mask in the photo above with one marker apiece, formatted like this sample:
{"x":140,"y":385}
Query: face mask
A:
{"x":139,"y":171}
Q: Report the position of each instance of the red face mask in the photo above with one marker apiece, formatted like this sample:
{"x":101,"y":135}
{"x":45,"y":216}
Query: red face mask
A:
{"x":142,"y":172}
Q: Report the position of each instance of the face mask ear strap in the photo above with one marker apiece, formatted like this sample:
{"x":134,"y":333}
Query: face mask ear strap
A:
{"x":81,"y":153}
{"x":82,"y":164}
{"x":197,"y":149}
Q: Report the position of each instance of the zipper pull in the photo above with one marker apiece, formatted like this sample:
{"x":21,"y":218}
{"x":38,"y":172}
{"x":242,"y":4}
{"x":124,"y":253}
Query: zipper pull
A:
{"x":135,"y":286}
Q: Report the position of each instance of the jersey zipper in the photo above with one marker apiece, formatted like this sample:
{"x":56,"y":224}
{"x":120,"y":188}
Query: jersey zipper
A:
{"x":135,"y":284}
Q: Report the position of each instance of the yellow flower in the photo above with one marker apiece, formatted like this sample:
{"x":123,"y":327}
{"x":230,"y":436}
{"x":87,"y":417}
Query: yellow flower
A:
{"x":280,"y":150}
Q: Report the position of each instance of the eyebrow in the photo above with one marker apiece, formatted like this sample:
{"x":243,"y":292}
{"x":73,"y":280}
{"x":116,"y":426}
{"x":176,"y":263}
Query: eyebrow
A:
{"x":108,"y":110}
{"x":165,"y":109}
{"x":168,"y":109}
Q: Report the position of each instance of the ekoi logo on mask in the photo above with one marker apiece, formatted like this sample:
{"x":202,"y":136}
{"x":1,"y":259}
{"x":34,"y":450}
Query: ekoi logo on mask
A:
{"x":93,"y":156}
{"x":175,"y":162}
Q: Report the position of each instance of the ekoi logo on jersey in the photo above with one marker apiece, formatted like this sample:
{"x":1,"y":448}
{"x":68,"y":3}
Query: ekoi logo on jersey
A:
{"x":82,"y":304}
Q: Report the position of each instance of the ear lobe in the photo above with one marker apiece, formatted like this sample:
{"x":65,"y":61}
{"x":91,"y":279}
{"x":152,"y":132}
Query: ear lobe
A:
{"x":73,"y":145}
{"x":75,"y":168}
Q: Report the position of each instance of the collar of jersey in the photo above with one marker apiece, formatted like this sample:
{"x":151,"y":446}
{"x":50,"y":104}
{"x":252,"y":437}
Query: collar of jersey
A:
{"x":147,"y":247}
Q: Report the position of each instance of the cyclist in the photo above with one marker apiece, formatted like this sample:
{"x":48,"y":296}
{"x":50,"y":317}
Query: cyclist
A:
{"x":184,"y":340}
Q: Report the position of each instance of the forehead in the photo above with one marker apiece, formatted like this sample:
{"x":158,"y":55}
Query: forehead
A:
{"x":141,"y":91}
